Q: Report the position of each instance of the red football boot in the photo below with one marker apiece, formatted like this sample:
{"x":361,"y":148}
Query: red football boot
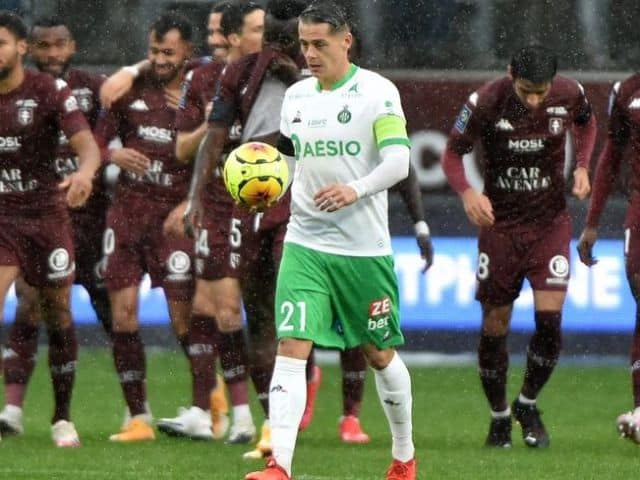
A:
{"x":402,"y":470}
{"x":272,"y":472}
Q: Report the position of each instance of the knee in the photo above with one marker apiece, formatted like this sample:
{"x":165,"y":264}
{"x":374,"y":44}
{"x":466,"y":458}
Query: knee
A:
{"x":203,"y":305}
{"x":378,"y":359}
{"x":294,"y":348}
{"x":56,"y":308}
{"x":228,"y":316}
{"x":495,"y":320}
{"x":124,"y":317}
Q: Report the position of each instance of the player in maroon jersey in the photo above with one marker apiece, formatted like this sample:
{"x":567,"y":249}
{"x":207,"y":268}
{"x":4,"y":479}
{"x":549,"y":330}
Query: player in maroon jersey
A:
{"x":521,"y":120}
{"x":35,"y":230}
{"x":218,"y":296}
{"x":152,"y":183}
{"x":237,"y":100}
{"x":52,"y":47}
{"x":622,"y":131}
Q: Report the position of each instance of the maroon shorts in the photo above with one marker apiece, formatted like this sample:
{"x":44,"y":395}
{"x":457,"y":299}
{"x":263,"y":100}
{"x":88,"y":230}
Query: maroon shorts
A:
{"x":134,"y":243}
{"x":213,"y":254}
{"x":261,"y":245}
{"x":42,"y":248}
{"x":507,"y":257}
{"x":87,"y":240}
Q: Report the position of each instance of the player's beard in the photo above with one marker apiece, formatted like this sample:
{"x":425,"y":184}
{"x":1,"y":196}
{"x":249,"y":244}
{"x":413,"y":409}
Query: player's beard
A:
{"x":165,"y":78}
{"x":58,"y":72}
{"x":8,"y":69}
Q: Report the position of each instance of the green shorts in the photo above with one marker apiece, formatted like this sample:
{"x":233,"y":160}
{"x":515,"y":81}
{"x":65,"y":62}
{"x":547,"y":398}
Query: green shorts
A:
{"x":337,"y":301}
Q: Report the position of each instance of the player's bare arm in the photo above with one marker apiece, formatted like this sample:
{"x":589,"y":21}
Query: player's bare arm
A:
{"x":209,"y":153}
{"x":80,"y":183}
{"x":173,"y":224}
{"x":581,"y":184}
{"x":172,"y":96}
{"x":606,"y":173}
{"x":130,"y":159}
{"x":585,"y":246}
{"x":409,"y":190}
{"x":120,"y":82}
{"x":478,"y":208}
{"x":187,"y":143}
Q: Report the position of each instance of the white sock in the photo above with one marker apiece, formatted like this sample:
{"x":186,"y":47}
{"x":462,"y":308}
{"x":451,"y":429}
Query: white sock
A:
{"x":393,"y":384}
{"x":242,"y":414}
{"x":504,"y":414}
{"x":526,"y":401}
{"x":287,"y":399}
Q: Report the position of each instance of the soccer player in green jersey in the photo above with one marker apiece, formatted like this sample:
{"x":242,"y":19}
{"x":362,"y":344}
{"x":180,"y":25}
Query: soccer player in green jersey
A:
{"x":336,"y":285}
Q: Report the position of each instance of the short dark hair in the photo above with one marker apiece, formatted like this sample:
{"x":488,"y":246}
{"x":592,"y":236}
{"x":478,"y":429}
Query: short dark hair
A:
{"x":233,"y":17}
{"x":281,"y":26}
{"x":50,"y":22}
{"x":220,"y":7}
{"x":13,"y":23}
{"x":286,"y":9}
{"x":326,"y":11}
{"x":535,"y":63}
{"x":169,"y":21}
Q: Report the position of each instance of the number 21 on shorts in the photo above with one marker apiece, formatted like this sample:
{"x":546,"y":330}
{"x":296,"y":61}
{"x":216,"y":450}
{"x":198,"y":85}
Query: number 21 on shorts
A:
{"x":293,"y":312}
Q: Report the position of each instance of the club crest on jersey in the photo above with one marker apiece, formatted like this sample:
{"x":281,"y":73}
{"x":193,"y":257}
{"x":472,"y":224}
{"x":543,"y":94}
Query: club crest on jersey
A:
{"x":345,"y":115}
{"x":84,"y":97}
{"x":556,"y":126}
{"x":25,"y":111}
{"x":25,"y":116}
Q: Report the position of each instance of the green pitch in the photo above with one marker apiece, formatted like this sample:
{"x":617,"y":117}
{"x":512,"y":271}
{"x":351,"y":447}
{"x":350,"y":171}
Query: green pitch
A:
{"x":450,"y":423}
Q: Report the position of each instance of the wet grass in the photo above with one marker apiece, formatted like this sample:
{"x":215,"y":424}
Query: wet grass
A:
{"x":450,"y":422}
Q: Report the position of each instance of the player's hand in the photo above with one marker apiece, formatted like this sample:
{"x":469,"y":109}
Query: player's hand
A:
{"x":131,"y":160}
{"x":207,"y":111}
{"x":78,"y":186}
{"x":192,"y":218}
{"x":426,"y":250}
{"x":335,"y":196}
{"x":115,"y":87}
{"x":585,"y":246}
{"x":478,"y":208}
{"x":172,"y":97}
{"x":173,"y":225}
{"x":581,"y":185}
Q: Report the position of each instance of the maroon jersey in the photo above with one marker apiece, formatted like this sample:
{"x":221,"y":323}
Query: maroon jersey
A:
{"x":85,"y":87}
{"x":249,"y":93}
{"x":32,"y":117}
{"x":624,"y":123}
{"x":524,"y":150}
{"x":144,"y":122}
{"x":198,"y":90}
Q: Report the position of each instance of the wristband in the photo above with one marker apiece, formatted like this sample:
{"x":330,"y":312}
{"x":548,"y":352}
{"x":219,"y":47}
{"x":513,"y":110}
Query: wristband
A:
{"x":133,"y":70}
{"x":422,"y":228}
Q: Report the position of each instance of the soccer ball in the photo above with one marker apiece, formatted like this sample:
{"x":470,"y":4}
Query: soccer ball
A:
{"x":256,"y":175}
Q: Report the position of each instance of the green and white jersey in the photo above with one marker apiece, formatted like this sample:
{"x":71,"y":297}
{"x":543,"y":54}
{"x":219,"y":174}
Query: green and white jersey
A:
{"x":334,"y":139}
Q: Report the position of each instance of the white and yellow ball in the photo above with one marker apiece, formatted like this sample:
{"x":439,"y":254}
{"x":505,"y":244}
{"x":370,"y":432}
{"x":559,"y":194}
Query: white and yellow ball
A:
{"x":256,"y":175}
